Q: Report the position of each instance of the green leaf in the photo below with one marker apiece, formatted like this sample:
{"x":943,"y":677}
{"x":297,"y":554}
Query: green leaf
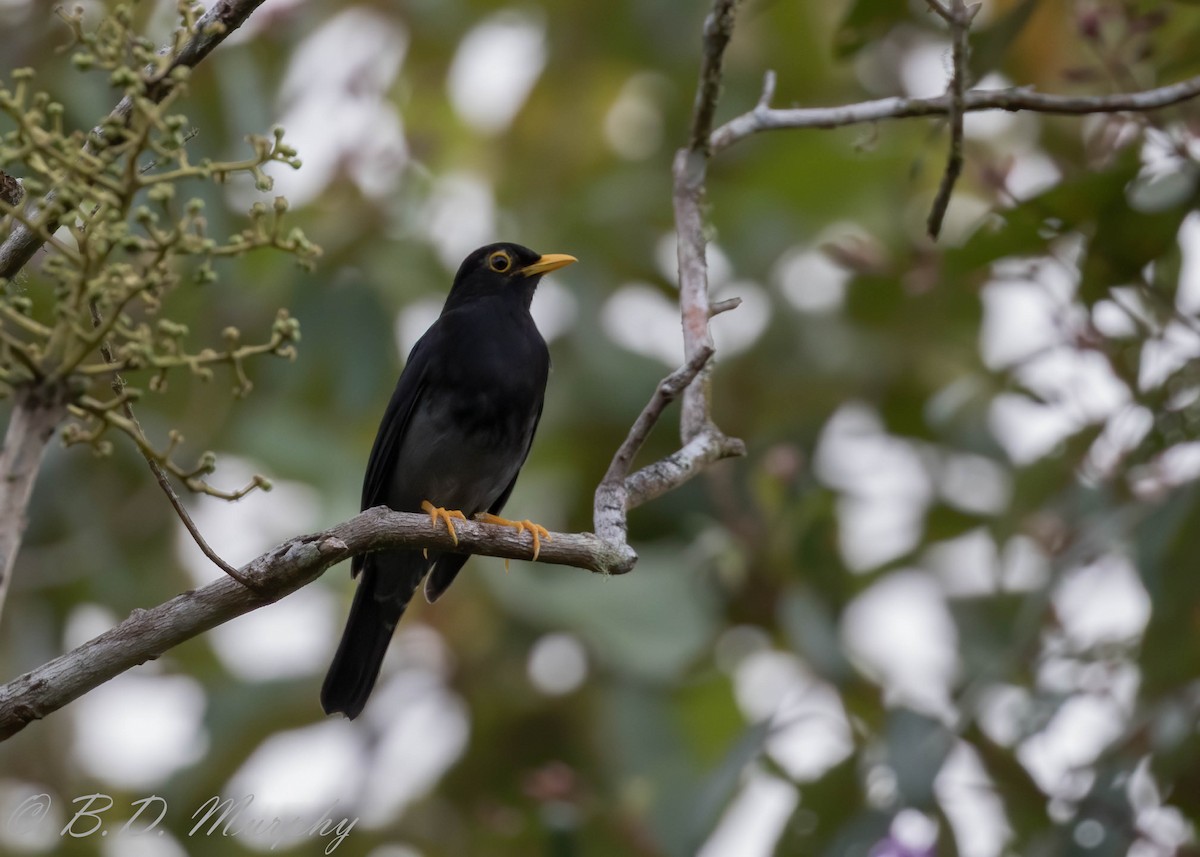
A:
{"x":866,"y":21}
{"x":990,"y":45}
{"x":651,"y":623}
{"x":719,"y":788}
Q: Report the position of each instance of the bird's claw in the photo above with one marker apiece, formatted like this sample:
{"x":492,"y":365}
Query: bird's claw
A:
{"x":537,"y":531}
{"x":447,"y":515}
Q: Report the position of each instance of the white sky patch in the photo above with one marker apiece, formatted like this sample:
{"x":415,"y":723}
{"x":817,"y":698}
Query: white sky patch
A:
{"x":137,"y":729}
{"x":1022,"y":318}
{"x":737,"y":330}
{"x":1058,"y":756}
{"x":297,"y":774}
{"x":461,"y":216}
{"x":1081,"y":383}
{"x":925,"y":69}
{"x":633,"y":125}
{"x":973,"y":483}
{"x":1112,"y":320}
{"x":424,"y":728}
{"x":495,"y":67}
{"x":1032,"y":173}
{"x":984,"y":125}
{"x":914,"y":830}
{"x":414,"y":320}
{"x":810,"y":280}
{"x":1024,"y":566}
{"x":1080,"y":389}
{"x":753,"y":822}
{"x":554,"y":308}
{"x":1187,"y":298}
{"x":1122,"y":433}
{"x":968,"y":797}
{"x":641,"y":319}
{"x":810,"y":732}
{"x":1027,"y":429}
{"x":1104,"y":602}
{"x":901,"y":632}
{"x":1177,"y":465}
{"x":884,"y":483}
{"x":1005,"y":711}
{"x":557,"y":664}
{"x":31,"y":823}
{"x":292,"y":636}
{"x":336,"y":110}
{"x":85,"y":622}
{"x":1166,"y":354}
{"x":967,"y":566}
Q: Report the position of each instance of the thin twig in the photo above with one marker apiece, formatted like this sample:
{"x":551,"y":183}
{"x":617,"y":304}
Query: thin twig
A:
{"x":612,"y":498}
{"x":160,"y":476}
{"x":761,"y":118}
{"x":958,"y":17}
{"x":214,"y":26}
{"x":718,"y":29}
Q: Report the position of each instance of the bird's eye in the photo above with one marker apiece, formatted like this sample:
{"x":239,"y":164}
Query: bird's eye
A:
{"x":499,"y":262}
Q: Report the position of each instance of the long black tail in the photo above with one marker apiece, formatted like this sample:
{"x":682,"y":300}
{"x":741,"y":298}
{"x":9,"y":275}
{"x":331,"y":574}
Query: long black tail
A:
{"x":387,"y":585}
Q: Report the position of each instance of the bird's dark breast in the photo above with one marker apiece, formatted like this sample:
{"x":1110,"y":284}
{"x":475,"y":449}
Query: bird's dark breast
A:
{"x":468,"y":436}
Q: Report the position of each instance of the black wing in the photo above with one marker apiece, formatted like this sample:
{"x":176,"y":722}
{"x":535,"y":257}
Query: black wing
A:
{"x":381,"y":465}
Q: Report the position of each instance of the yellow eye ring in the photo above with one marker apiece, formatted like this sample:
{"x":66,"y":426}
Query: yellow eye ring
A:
{"x":500,"y":262}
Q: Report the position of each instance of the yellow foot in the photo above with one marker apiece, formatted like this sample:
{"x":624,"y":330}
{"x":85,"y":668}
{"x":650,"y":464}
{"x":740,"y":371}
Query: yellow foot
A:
{"x":536,"y":530}
{"x":446,"y":515}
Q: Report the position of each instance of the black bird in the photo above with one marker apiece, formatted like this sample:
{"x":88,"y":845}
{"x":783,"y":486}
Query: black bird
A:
{"x":452,"y":440}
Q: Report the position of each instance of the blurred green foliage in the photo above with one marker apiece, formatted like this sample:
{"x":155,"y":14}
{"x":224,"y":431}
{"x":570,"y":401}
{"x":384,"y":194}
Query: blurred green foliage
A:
{"x":754,"y":561}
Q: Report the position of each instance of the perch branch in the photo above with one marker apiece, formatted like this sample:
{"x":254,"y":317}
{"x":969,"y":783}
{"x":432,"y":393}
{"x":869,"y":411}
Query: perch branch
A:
{"x":147,"y":634}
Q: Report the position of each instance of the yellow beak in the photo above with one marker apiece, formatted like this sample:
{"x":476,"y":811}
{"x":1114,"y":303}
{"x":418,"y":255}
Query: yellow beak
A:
{"x":546,"y":264}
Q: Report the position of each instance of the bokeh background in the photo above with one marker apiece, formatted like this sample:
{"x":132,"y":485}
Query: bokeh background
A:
{"x":948,"y":602}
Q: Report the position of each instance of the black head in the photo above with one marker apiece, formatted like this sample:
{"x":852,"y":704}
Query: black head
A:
{"x":508,"y":270}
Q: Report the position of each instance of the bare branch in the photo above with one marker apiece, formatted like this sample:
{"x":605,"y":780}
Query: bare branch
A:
{"x":669,"y":473}
{"x":723,"y":306}
{"x":1014,"y":99}
{"x":690,"y":173}
{"x":147,"y":634}
{"x":214,"y":26}
{"x":35,"y":415}
{"x":611,"y":502}
{"x":958,"y":16}
{"x":718,"y":29}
